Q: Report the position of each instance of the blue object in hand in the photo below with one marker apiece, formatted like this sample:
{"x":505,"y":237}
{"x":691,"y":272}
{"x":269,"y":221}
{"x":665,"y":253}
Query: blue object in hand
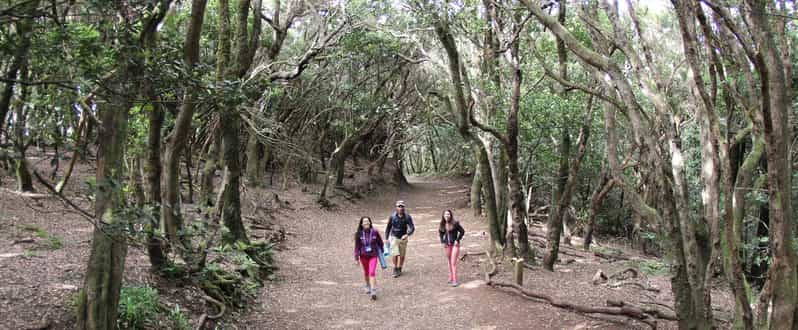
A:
{"x":387,"y":250}
{"x":381,"y":258}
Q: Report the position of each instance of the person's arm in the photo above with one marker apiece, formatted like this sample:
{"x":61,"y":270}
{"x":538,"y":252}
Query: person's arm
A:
{"x":460,"y":232}
{"x":380,"y":243}
{"x":441,"y":234}
{"x":410,"y":227}
{"x":357,"y":248}
{"x":388,"y":229}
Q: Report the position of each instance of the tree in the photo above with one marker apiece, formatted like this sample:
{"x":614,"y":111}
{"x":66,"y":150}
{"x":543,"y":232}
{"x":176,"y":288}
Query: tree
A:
{"x":97,"y":302}
{"x":692,"y":299}
{"x":171,"y":220}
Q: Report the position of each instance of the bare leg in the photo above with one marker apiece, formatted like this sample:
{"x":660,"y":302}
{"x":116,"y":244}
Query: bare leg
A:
{"x":448,"y":251}
{"x":453,"y":262}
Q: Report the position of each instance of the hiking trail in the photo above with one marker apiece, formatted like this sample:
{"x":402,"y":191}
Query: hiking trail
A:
{"x":320,"y":286}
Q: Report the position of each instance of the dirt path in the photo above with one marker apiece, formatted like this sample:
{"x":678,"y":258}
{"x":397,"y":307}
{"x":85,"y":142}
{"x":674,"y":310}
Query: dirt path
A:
{"x":320,"y":286}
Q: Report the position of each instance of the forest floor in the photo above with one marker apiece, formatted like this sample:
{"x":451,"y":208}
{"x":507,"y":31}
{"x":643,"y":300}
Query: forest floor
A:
{"x":44,"y":248}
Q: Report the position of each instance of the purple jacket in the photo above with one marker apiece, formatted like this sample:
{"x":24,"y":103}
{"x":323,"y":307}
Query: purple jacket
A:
{"x":371,"y":238}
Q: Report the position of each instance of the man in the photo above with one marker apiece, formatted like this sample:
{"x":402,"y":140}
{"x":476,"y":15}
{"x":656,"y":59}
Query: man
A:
{"x":400,"y":227}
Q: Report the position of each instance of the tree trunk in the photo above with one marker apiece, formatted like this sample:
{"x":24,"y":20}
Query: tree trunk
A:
{"x":213,"y":157}
{"x":775,"y":112}
{"x":501,"y":187}
{"x":398,"y":174}
{"x":83,"y":121}
{"x":489,"y":195}
{"x":97,"y":302}
{"x":230,"y":195}
{"x":432,"y":154}
{"x":342,"y":152}
{"x":209,"y":169}
{"x":171,"y":218}
{"x":476,"y":191}
{"x":24,"y":179}
{"x":138,"y":184}
{"x":461,"y":112}
{"x":516,"y":192}
{"x":254,"y":171}
{"x":189,"y":177}
{"x":601,"y":191}
{"x":229,"y":202}
{"x":24,"y":28}
{"x":152,"y":166}
{"x":554,"y":224}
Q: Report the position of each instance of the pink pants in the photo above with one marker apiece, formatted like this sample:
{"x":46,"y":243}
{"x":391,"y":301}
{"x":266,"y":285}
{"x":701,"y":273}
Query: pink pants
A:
{"x":452,"y":252}
{"x":369,"y":265}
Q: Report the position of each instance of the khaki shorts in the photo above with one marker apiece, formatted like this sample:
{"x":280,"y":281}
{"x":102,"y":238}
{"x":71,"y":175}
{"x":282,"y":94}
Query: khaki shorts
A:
{"x":398,"y":246}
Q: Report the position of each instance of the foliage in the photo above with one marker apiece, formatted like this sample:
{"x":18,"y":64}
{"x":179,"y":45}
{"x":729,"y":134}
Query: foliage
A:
{"x":138,"y":307}
{"x":50,"y":241}
{"x":177,"y":319}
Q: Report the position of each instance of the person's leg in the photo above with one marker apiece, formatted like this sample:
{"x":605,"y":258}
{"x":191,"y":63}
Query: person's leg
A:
{"x":372,"y":272}
{"x":448,"y":250}
{"x":365,"y":263}
{"x":402,"y":253}
{"x":453,"y":262}
{"x":394,"y":254}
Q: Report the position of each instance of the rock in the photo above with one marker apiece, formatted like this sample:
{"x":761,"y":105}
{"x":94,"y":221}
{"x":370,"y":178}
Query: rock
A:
{"x":599,"y":278}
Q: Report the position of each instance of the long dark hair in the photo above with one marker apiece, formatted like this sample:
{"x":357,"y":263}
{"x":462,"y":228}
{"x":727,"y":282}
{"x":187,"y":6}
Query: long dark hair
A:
{"x":359,"y":231}
{"x":442,"y":227}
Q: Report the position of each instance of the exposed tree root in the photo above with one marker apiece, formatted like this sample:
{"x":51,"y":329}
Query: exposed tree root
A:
{"x":650,"y":311}
{"x":624,"y":310}
{"x":219,"y":306}
{"x":618,"y":308}
{"x":621,"y":274}
{"x":206,"y":316}
{"x":610,"y":257}
{"x":639,"y":285}
{"x":469,"y":254}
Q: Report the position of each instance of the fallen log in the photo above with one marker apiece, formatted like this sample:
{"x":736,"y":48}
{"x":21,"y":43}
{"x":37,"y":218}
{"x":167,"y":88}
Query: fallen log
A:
{"x":648,"y":316}
{"x":23,"y":240}
{"x":625,"y":310}
{"x":612,"y":258}
{"x":648,"y":310}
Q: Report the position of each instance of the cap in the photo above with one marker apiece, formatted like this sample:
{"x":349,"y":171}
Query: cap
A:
{"x":400,"y":203}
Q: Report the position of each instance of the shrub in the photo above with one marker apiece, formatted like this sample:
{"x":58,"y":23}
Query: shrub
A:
{"x":138,"y":307}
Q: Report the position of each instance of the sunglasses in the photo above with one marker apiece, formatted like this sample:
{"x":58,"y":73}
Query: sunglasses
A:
{"x":400,"y":206}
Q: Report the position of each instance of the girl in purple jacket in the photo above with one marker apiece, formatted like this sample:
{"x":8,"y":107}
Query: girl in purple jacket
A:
{"x":368,"y":244}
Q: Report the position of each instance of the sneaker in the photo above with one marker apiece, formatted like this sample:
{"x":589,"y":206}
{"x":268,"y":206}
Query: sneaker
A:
{"x":395,"y":272}
{"x":455,"y":284}
{"x":399,"y":272}
{"x":449,"y":282}
{"x":374,"y":294}
{"x":368,"y":289}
